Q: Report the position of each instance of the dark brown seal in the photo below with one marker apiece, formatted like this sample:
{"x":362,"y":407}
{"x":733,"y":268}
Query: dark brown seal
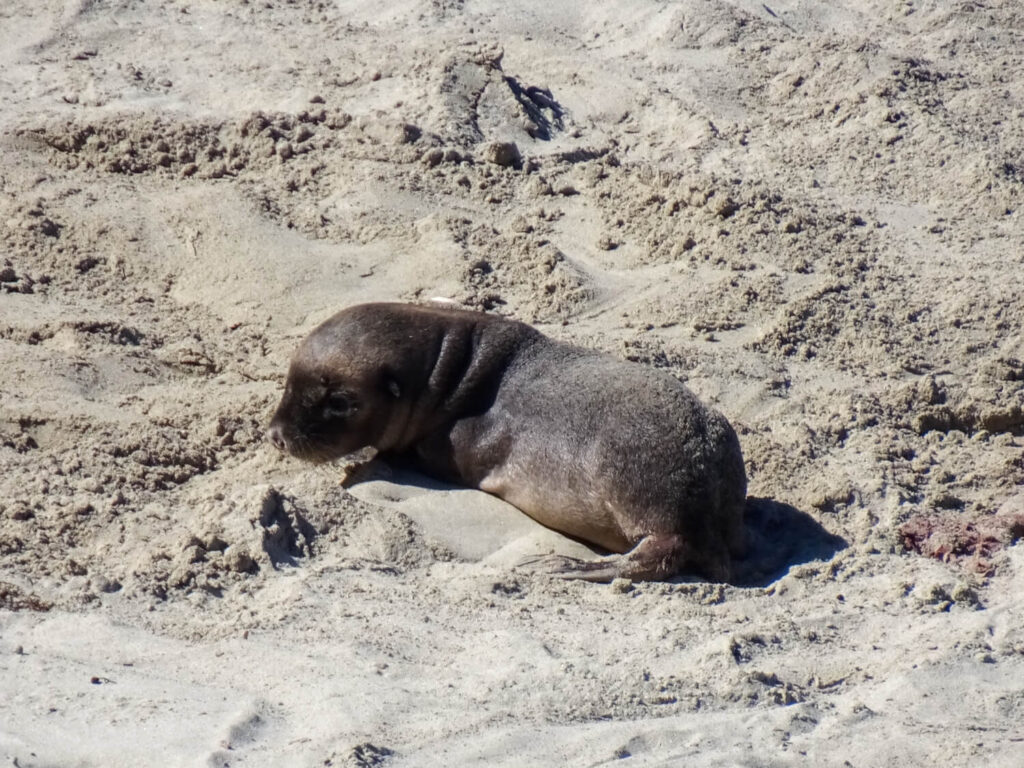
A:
{"x":610,"y":452}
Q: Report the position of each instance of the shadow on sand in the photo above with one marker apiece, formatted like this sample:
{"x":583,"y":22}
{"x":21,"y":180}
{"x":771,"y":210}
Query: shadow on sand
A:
{"x":779,"y":537}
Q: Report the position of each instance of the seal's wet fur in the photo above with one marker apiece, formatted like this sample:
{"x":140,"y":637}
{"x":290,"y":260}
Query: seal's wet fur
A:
{"x":611,"y":452}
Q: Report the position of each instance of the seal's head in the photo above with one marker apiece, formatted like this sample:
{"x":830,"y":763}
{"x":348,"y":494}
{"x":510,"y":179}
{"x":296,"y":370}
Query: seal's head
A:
{"x":336,"y":400}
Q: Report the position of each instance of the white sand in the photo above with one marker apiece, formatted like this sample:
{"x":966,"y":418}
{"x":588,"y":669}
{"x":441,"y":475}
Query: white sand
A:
{"x":810,"y":212}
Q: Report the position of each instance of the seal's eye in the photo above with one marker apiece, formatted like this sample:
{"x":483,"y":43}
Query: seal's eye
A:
{"x":338,"y":405}
{"x":324,"y":381}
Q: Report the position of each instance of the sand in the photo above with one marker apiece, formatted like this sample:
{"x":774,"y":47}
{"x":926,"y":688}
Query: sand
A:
{"x":811,"y":213}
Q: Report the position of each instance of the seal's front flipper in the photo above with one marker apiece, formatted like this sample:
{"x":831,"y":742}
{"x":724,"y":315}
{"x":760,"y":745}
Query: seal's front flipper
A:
{"x":363,"y":465}
{"x":656,"y":557}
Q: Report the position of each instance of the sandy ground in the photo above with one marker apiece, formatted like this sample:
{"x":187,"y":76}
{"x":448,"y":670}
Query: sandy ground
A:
{"x":810,"y":212}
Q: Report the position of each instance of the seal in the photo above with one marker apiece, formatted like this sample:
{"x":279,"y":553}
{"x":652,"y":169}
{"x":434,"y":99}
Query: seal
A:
{"x":610,"y":452}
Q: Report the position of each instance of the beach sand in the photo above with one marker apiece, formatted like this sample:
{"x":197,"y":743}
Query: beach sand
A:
{"x":811,"y":213}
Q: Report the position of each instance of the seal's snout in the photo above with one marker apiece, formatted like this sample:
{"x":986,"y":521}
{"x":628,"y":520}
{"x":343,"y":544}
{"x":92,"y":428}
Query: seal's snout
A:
{"x":276,"y":436}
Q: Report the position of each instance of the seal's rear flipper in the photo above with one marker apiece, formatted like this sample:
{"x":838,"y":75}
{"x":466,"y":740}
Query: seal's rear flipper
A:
{"x":603,"y":570}
{"x":655,"y":558}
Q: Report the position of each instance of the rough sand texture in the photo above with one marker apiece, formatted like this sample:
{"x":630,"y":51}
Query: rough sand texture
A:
{"x":811,"y":212}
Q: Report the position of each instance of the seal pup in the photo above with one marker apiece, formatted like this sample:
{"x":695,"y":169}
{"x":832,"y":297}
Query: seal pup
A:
{"x":610,"y":452}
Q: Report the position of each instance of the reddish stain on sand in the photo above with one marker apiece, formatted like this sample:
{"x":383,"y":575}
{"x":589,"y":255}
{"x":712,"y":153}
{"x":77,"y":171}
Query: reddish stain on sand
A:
{"x":970,"y":542}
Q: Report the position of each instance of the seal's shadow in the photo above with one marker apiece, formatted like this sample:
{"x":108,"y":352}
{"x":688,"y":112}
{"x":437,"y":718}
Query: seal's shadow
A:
{"x":780,"y":536}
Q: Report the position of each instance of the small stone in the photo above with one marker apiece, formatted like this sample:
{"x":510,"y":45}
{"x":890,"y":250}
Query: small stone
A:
{"x":284,"y":150}
{"x":316,"y":99}
{"x":7,"y":275}
{"x":504,"y":154}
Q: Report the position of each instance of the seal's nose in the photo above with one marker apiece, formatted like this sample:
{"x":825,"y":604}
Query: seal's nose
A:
{"x":276,"y":435}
